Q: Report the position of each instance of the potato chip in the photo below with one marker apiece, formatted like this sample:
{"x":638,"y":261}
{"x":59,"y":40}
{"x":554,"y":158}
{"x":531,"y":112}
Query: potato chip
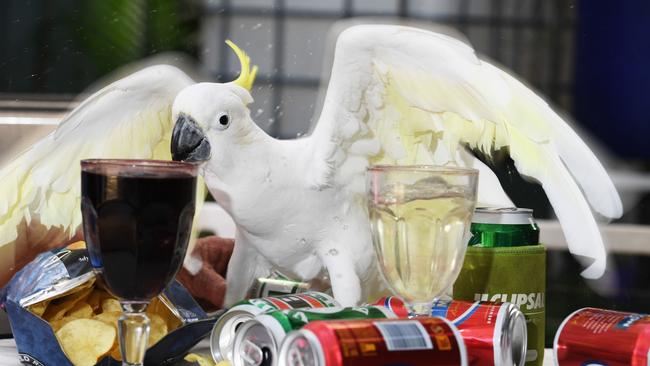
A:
{"x":159,"y":308}
{"x":77,"y":245}
{"x":158,"y":329}
{"x":84,"y":341}
{"x":59,"y":307}
{"x":96,"y":297}
{"x":203,"y":360}
{"x":109,"y":305}
{"x":109,"y":318}
{"x":38,"y":309}
{"x":81,"y":310}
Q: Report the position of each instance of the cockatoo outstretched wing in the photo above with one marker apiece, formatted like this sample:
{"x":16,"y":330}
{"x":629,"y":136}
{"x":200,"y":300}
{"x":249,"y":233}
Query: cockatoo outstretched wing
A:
{"x":404,"y":95}
{"x":40,"y":189}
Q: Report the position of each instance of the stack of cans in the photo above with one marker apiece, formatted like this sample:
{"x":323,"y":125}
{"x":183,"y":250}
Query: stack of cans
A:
{"x":223,"y":334}
{"x":289,"y":332}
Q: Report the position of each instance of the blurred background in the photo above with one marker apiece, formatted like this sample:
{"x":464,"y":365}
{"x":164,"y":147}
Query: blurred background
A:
{"x":589,"y":58}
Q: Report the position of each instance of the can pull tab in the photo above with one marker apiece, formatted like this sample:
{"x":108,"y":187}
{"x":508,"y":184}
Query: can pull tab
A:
{"x":295,"y":357}
{"x":251,"y":353}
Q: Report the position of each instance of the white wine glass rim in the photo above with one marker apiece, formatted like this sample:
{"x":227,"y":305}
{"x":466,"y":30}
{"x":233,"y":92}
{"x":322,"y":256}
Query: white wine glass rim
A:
{"x":423,"y":169}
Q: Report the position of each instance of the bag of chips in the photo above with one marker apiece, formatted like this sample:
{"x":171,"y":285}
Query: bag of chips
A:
{"x":60,"y":314}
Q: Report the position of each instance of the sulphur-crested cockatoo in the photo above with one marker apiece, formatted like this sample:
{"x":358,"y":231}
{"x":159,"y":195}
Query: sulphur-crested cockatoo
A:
{"x":399,"y":95}
{"x":40,"y":189}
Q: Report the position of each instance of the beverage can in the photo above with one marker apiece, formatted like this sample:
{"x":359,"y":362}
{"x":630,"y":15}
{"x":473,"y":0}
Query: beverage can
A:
{"x":506,"y":263}
{"x":503,"y":227}
{"x":258,"y":340}
{"x":592,"y":336}
{"x":394,"y":304}
{"x":494,"y":333}
{"x":223,"y":332}
{"x":276,"y":284}
{"x":415,"y":342}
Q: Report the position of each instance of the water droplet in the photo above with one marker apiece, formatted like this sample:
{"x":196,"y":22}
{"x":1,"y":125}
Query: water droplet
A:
{"x":299,"y":134}
{"x":259,"y":112}
{"x":336,"y":219}
{"x":257,"y":26}
{"x":302,"y":241}
{"x":271,"y":121}
{"x":269,"y":46}
{"x":333,"y":252}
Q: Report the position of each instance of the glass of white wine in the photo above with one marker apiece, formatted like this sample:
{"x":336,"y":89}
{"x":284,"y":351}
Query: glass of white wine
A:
{"x":420,"y":218}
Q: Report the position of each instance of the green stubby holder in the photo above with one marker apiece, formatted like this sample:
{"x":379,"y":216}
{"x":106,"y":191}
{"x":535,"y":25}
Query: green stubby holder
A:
{"x":515,"y":274}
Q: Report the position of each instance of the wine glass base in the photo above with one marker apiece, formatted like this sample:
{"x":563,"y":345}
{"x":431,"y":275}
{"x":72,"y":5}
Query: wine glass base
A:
{"x":421,"y":308}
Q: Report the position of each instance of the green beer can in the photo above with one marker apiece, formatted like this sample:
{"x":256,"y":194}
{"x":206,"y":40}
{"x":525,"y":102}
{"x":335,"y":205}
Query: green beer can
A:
{"x":258,"y":340}
{"x":503,"y":227}
{"x":506,"y":263}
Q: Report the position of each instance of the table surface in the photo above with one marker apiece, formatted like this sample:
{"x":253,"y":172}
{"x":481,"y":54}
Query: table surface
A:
{"x":9,"y":356}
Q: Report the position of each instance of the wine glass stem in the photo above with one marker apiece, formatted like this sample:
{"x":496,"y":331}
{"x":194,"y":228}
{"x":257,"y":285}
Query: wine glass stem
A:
{"x":133,"y":331}
{"x":421,"y":308}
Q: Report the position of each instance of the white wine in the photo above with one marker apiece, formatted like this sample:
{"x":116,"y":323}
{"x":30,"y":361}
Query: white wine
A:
{"x":421,"y":242}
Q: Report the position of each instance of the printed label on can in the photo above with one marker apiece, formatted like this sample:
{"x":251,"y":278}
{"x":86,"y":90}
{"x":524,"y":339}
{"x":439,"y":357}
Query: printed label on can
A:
{"x":298,"y":318}
{"x":405,"y":336}
{"x":477,"y":323}
{"x":603,"y":337}
{"x":395,"y":304}
{"x":509,"y":274}
{"x":294,"y":301}
{"x":390,"y":342}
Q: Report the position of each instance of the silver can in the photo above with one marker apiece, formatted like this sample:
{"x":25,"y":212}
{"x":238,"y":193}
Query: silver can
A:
{"x":257,"y":341}
{"x":277,"y":284}
{"x":256,"y":344}
{"x":223,"y":333}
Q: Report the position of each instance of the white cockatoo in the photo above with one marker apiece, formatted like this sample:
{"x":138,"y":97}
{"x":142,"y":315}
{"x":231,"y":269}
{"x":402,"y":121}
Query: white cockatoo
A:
{"x":40,"y":189}
{"x":396,"y":95}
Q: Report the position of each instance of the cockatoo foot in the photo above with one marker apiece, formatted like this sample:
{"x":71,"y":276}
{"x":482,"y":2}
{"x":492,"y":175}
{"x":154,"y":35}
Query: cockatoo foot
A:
{"x":346,"y":285}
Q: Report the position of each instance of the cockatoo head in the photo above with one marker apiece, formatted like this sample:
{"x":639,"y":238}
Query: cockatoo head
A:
{"x":211,"y":118}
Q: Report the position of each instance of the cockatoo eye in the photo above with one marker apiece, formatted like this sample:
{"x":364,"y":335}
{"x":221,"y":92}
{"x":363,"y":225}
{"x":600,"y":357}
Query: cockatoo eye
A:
{"x":224,"y":121}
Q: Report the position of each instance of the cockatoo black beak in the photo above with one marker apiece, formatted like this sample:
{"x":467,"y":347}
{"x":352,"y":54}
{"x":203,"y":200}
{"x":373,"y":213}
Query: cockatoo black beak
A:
{"x":188,"y":141}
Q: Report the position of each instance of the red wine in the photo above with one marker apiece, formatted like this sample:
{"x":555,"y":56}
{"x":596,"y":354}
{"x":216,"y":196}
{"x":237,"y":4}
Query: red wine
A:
{"x":137,"y":228}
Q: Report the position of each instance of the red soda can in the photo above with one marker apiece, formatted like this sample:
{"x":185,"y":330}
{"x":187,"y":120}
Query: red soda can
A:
{"x":494,"y":333}
{"x":394,"y":304}
{"x":375,"y":342}
{"x":603,"y":337}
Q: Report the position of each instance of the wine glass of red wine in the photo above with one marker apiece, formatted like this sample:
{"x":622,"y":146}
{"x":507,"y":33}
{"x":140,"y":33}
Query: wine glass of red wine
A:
{"x":137,"y":218}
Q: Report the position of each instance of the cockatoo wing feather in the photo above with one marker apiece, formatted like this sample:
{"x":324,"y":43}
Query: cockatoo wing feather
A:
{"x":424,"y":97}
{"x":39,"y":190}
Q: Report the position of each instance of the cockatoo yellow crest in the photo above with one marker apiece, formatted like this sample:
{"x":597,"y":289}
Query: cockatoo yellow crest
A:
{"x":247,"y":74}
